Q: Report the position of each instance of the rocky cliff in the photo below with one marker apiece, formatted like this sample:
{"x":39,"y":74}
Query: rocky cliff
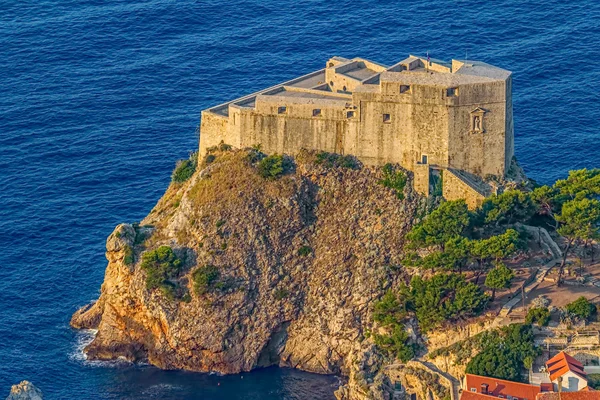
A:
{"x":25,"y":391}
{"x":300,"y":260}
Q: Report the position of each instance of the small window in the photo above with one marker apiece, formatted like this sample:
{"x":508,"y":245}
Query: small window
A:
{"x":404,"y":88}
{"x":452,"y":92}
{"x":344,"y":88}
{"x":424,"y":159}
{"x":350,"y":114}
{"x":317,"y":112}
{"x":387,"y":118}
{"x":282,"y":110}
{"x":474,"y":390}
{"x":330,"y":65}
{"x":331,"y":83}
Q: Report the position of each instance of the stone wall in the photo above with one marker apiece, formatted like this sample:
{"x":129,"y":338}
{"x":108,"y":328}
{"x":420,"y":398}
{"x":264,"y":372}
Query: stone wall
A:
{"x":455,"y":188}
{"x":399,"y":118}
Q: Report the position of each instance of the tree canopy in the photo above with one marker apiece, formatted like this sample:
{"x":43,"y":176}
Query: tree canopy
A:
{"x":504,"y":354}
{"x":443,"y":297}
{"x":499,"y":277}
{"x":446,"y":222}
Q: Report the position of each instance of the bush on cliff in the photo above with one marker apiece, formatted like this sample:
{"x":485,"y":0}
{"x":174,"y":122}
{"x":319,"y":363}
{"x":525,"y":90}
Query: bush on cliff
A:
{"x":390,"y":313}
{"x":271,"y":167}
{"x":582,"y":308}
{"x":444,"y":297}
{"x":446,"y":222}
{"x":162,"y":266}
{"x":395,"y":343}
{"x":503,"y":356}
{"x":205,"y":278}
{"x":331,"y":160}
{"x":185,"y":168}
{"x":395,"y":180}
{"x":538,"y":315}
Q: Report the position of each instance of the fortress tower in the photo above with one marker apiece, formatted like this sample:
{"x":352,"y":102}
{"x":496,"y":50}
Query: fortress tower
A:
{"x":427,"y":115}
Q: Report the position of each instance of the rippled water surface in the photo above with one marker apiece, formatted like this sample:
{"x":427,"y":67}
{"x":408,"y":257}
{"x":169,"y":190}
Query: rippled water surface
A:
{"x":99,"y":98}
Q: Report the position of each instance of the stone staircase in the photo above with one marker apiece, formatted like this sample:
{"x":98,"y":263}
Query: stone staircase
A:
{"x":473,"y":181}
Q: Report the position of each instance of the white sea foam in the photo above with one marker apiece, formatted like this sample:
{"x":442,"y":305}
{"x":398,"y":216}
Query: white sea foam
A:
{"x":85,"y":337}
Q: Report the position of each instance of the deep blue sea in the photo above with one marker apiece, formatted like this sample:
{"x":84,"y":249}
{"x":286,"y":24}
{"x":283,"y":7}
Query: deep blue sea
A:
{"x":99,"y":98}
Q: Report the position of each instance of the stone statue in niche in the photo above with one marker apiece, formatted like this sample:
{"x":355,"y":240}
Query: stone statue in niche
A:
{"x":477,"y":123}
{"x":477,"y":120}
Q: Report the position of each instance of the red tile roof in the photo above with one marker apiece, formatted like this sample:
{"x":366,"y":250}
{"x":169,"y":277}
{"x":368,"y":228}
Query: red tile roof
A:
{"x":581,"y":395}
{"x":467,"y":395}
{"x":562,"y":363}
{"x":501,"y":387}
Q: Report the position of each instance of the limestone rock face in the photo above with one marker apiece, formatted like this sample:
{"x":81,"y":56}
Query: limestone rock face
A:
{"x":301,"y":259}
{"x":25,"y":391}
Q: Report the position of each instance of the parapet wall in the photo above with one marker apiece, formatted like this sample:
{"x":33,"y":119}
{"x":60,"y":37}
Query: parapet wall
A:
{"x":454,"y":188}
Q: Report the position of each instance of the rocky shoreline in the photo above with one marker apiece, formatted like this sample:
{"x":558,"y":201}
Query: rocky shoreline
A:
{"x":300,"y":261}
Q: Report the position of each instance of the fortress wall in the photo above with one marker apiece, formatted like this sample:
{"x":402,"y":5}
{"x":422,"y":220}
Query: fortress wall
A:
{"x":509,"y":138}
{"x":415,"y":128}
{"x":213,"y":130}
{"x":480,"y":153}
{"x":297,"y":128}
{"x":453,"y":188}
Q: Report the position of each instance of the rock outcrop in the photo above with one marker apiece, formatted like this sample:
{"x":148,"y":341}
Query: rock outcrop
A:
{"x":25,"y":391}
{"x":301,"y":259}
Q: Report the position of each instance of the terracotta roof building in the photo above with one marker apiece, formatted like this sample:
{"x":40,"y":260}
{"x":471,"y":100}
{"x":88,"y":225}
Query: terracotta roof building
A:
{"x":493,"y":387}
{"x":566,"y":372}
{"x":583,"y":395}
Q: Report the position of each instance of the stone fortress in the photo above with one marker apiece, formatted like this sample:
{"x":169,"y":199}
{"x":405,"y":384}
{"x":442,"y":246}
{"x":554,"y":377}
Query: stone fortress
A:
{"x":427,"y":115}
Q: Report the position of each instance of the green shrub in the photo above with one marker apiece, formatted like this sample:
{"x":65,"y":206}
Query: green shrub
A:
{"x":129,"y":258}
{"x":444,"y":297}
{"x":331,"y":160}
{"x":502,"y":357}
{"x":281,"y":294}
{"x":395,"y":180}
{"x":395,"y":344}
{"x":185,"y":168}
{"x":304,"y":251}
{"x":594,"y":381}
{"x":538,"y":315}
{"x":209,"y":159}
{"x":582,"y":308}
{"x":271,"y":167}
{"x":205,"y":278}
{"x":162,"y":266}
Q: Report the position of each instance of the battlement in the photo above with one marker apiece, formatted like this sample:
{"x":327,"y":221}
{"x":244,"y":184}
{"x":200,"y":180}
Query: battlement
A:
{"x":418,"y":111}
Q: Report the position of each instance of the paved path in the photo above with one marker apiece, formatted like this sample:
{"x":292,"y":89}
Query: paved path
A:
{"x":453,"y":381}
{"x":541,"y":274}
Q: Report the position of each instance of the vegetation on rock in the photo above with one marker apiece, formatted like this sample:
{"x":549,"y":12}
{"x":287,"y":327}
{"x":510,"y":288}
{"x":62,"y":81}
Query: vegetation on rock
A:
{"x":332,"y":160}
{"x":185,"y":168}
{"x":205,"y":278}
{"x":395,"y":180}
{"x":162,"y":266}
{"x":443,"y":297}
{"x":582,"y":308}
{"x":538,"y":315}
{"x":502,"y":356}
{"x":271,"y":167}
{"x":499,"y":278}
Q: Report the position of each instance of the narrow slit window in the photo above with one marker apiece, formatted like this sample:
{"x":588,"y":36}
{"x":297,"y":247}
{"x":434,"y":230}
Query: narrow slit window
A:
{"x":317,"y":112}
{"x":452,"y":92}
{"x":282,"y":110}
{"x":344,"y":88}
{"x":404,"y":88}
{"x":387,"y":118}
